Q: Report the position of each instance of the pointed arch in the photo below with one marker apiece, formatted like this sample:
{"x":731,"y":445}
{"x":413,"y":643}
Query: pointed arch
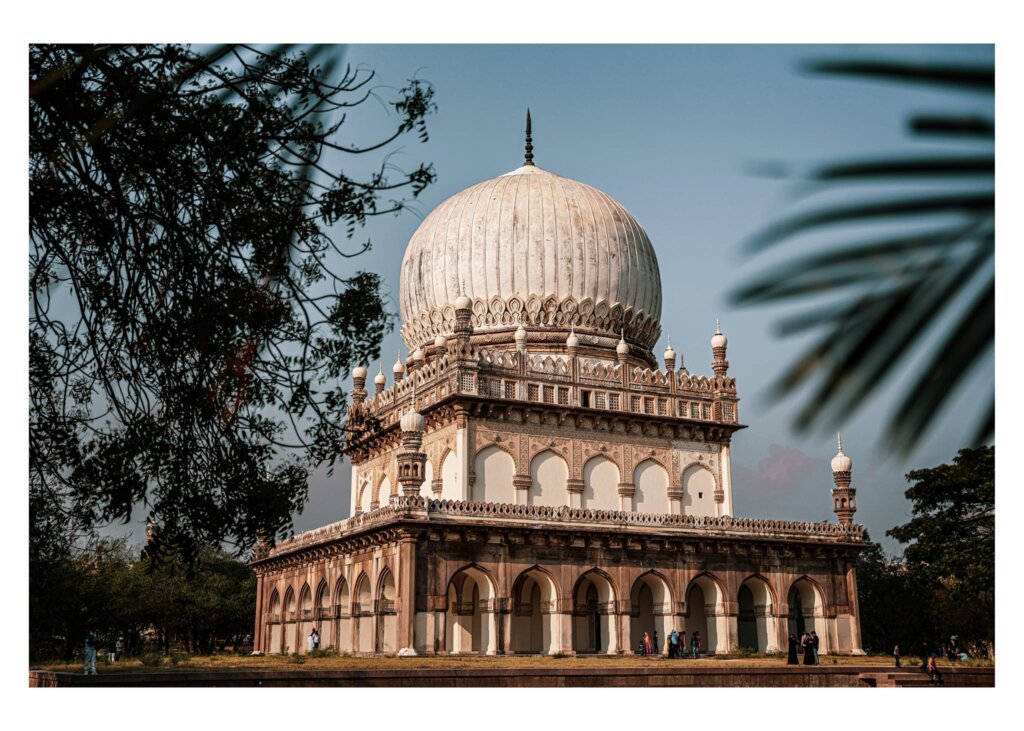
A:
{"x":601,"y":478}
{"x":341,"y":596}
{"x":593,"y":602}
{"x":549,"y":477}
{"x":705,"y":599}
{"x":362,"y":614}
{"x":650,"y":609}
{"x":494,"y":467}
{"x":289,"y":602}
{"x":451,"y":482}
{"x":757,"y":620}
{"x":471,"y":619}
{"x":650,"y":487}
{"x":385,"y":607}
{"x":699,"y":486}
{"x":806,"y":609}
{"x":536,"y":625}
{"x":322,"y":597}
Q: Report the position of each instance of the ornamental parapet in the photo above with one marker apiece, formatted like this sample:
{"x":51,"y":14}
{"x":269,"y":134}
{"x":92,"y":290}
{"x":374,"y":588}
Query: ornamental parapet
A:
{"x":552,"y":379}
{"x":419,"y":508}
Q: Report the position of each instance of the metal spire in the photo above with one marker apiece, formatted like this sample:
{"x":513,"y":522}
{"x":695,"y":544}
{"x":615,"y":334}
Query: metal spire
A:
{"x":529,"y":139}
{"x":718,"y":327}
{"x":839,"y":436}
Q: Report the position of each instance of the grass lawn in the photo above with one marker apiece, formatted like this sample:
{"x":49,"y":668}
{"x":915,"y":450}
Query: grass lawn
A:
{"x":341,"y":662}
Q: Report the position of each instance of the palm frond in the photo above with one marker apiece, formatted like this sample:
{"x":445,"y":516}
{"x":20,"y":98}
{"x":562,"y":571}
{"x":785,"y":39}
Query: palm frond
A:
{"x":891,"y":292}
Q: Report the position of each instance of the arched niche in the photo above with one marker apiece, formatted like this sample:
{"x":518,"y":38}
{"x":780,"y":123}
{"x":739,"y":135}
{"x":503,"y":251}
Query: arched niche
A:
{"x":549,"y":474}
{"x":451,"y":484}
{"x":362,"y":615}
{"x":650,"y":482}
{"x":387,"y":617}
{"x":494,"y":469}
{"x":698,"y":491}
{"x":600,"y":484}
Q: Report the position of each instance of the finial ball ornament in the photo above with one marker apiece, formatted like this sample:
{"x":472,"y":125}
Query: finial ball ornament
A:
{"x":359,"y":372}
{"x":413,"y":421}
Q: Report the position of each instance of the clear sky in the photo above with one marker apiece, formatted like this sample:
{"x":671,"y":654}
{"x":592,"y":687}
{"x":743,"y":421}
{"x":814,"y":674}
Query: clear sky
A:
{"x":674,"y":133}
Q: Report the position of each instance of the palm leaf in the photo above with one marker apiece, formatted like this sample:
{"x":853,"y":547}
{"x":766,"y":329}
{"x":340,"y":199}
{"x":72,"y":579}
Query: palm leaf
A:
{"x":892,"y":291}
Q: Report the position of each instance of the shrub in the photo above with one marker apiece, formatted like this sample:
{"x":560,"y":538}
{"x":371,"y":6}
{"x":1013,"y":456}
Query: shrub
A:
{"x":151,"y":659}
{"x":296,"y":658}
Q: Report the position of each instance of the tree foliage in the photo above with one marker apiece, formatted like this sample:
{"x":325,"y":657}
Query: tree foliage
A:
{"x":944,"y":584}
{"x":918,"y":292}
{"x":192,"y":310}
{"x":198,"y":605}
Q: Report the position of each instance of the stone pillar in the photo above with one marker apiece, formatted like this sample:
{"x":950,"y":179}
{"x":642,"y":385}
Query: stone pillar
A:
{"x":522,"y":484}
{"x":626,"y":491}
{"x":406,"y":590}
{"x":462,"y":451}
{"x":854,"y":601}
{"x":726,"y":468}
{"x":436,"y":487}
{"x":575,"y":489}
{"x":675,"y":500}
{"x":257,"y":640}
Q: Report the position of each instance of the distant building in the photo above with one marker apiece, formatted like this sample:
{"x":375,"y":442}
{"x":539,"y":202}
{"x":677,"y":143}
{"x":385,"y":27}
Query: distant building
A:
{"x":532,"y":482}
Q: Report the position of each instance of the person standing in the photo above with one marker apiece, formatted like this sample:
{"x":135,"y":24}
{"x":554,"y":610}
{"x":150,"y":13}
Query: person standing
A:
{"x":311,"y":641}
{"x":793,"y":644}
{"x":673,"y":644}
{"x":682,"y":643}
{"x":654,"y":643}
{"x":695,"y":643}
{"x":808,"y":646}
{"x":896,"y":654}
{"x":316,"y":639}
{"x":647,"y":645}
{"x":815,"y":641}
{"x":90,"y":653}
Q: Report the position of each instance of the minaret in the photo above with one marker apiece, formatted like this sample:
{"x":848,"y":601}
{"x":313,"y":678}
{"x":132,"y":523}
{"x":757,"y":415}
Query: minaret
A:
{"x":529,"y":139}
{"x":521,"y":338}
{"x":411,"y":461}
{"x":844,"y":497}
{"x":718,"y":344}
{"x":358,"y":384}
{"x":380,"y":380}
{"x":670,"y":357}
{"x":622,"y":349}
{"x":463,"y":314}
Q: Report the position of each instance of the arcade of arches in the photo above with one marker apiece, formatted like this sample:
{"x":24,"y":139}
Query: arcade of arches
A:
{"x":476,"y":593}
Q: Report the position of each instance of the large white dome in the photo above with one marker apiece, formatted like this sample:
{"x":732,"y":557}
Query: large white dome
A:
{"x":533,"y":247}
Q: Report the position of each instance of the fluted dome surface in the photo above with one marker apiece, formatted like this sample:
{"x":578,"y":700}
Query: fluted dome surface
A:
{"x":532,"y":247}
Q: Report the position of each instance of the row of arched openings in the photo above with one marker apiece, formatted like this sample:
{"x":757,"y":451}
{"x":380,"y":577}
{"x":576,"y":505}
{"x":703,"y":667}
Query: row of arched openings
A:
{"x":494,"y":470}
{"x":355,"y":620}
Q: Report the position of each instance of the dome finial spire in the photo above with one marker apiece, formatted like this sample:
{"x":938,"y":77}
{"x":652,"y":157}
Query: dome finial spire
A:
{"x":529,"y":139}
{"x":839,"y":438}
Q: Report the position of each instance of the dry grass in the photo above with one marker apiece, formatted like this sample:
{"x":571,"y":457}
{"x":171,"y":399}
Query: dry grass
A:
{"x":334,"y":662}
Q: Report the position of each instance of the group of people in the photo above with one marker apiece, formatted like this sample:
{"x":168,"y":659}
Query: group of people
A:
{"x":676,"y":644}
{"x":808,"y":643}
{"x":114,"y":651}
{"x":313,"y":641}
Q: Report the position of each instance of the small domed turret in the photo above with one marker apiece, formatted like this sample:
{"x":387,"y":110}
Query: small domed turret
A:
{"x":418,"y":355}
{"x":572,"y":341}
{"x":380,"y":379}
{"x":841,"y":463}
{"x":359,"y":372}
{"x":399,"y":366}
{"x":413,"y":421}
{"x":462,"y":302}
{"x":440,"y":341}
{"x":521,"y":335}
{"x":623,"y":347}
{"x":718,"y":340}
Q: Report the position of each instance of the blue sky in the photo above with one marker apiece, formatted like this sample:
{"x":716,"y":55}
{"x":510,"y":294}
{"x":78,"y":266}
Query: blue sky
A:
{"x":675,"y":134}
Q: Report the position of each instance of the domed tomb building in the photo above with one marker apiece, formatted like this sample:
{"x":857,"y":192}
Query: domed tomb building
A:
{"x":533,"y":481}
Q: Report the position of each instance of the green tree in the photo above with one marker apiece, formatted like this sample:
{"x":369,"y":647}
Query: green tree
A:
{"x":192,"y":311}
{"x":916,"y":293}
{"x":952,"y":541}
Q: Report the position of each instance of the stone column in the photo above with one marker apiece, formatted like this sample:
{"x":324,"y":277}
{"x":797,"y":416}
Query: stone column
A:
{"x":726,"y":467}
{"x":522,"y":484}
{"x":575,"y":489}
{"x":406,"y":589}
{"x":462,"y":442}
{"x":257,"y":639}
{"x":675,"y":500}
{"x":626,"y":491}
{"x":854,"y":601}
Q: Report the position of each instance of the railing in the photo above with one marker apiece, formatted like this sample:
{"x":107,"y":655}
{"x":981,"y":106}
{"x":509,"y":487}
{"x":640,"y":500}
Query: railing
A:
{"x":421,"y":508}
{"x":385,"y":605}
